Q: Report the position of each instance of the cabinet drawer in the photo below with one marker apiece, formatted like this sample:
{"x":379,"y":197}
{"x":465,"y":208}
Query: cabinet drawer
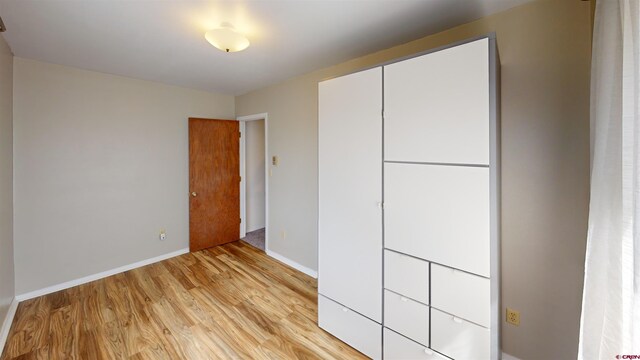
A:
{"x":398,"y":347}
{"x":407,"y":317}
{"x":407,"y":276}
{"x":459,"y":338}
{"x":354,"y":329}
{"x":462,"y":294}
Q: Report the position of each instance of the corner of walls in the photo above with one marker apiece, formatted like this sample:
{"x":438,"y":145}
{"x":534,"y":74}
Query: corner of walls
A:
{"x":6,"y":324}
{"x":8,"y":302}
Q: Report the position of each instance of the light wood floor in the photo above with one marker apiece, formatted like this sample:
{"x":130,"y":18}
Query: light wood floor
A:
{"x":231,"y":301}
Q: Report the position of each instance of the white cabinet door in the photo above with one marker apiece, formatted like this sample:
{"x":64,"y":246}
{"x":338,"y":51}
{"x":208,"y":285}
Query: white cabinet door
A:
{"x":439,"y":213}
{"x":350,"y":191}
{"x":437,"y":106}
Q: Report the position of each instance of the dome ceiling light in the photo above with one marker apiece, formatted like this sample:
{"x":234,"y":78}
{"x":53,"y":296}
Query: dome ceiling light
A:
{"x":227,"y":39}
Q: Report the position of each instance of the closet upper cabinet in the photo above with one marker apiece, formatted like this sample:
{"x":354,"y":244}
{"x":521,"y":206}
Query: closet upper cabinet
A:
{"x":436,"y":107}
{"x":350,"y":191}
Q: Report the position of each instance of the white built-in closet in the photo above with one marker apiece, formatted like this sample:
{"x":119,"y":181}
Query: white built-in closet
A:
{"x":409,"y":214}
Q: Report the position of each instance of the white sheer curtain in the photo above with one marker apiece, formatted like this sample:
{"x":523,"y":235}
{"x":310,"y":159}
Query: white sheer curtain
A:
{"x":610,"y":323}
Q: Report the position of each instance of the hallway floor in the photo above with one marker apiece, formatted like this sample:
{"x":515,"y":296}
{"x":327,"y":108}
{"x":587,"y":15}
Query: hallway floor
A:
{"x":256,"y":238}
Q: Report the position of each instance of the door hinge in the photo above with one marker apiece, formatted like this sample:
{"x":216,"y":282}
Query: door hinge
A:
{"x":240,"y":134}
{"x":240,"y":178}
{"x":240,"y":220}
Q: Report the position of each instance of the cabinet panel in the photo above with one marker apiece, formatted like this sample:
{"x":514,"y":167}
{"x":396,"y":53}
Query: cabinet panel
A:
{"x":461,"y":294}
{"x":407,"y":276}
{"x":407,"y":317}
{"x":457,"y":338}
{"x":397,"y":347}
{"x":439,"y":213}
{"x":437,"y":106}
{"x":350,"y":191}
{"x":354,"y":329}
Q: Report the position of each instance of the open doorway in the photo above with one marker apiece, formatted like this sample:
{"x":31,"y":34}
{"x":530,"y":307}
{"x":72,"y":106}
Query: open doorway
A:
{"x":254,"y":180}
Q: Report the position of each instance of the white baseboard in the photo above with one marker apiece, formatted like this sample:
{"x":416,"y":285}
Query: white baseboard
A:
{"x":506,"y":356}
{"x":104,"y":274}
{"x":6,"y":324}
{"x":293,"y":264}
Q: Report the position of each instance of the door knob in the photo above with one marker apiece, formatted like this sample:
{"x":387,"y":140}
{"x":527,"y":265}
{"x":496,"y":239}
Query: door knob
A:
{"x":194,"y":194}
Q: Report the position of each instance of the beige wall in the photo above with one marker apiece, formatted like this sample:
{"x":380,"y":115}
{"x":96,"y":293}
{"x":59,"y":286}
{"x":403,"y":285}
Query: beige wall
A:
{"x":6,"y":179}
{"x":255,"y":180}
{"x":101,"y":165}
{"x":545,"y":53}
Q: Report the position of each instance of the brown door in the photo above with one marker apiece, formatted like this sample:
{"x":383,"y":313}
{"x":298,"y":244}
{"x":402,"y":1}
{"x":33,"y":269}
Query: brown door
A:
{"x":214,"y":182}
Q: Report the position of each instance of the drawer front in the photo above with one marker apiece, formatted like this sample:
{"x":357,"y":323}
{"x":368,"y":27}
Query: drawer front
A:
{"x":439,"y":213}
{"x":407,"y":317}
{"x":398,"y":347}
{"x":462,"y":294}
{"x":354,"y":329}
{"x":458,"y":338}
{"x":407,"y":276}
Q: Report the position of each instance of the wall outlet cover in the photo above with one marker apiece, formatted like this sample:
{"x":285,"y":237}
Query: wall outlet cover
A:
{"x":513,"y":317}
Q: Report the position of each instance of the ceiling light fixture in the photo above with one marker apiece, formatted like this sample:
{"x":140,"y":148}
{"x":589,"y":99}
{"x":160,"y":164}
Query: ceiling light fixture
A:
{"x":227,"y":39}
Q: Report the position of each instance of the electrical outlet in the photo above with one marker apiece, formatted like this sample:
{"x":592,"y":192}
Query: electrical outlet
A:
{"x":163,"y":234}
{"x":513,"y":317}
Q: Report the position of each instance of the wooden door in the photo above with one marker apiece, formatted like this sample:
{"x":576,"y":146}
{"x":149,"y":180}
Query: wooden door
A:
{"x":214,"y":182}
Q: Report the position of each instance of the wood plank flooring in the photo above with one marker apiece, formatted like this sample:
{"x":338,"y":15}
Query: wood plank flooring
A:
{"x":227,"y":302}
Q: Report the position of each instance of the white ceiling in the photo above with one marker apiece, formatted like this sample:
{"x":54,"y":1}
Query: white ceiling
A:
{"x":164,"y":40}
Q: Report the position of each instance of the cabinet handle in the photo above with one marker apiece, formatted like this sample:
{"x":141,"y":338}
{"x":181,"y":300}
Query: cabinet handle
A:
{"x":428,"y":351}
{"x":456,"y":320}
{"x":344,"y":309}
{"x":404,"y":299}
{"x":379,"y":204}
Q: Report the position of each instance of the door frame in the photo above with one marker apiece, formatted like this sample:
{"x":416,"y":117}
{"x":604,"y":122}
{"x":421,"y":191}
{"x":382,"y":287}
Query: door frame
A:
{"x":243,"y":170}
